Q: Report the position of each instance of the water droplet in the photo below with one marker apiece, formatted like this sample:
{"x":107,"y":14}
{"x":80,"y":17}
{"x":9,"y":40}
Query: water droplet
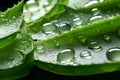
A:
{"x":82,"y":40}
{"x":56,"y":43}
{"x":85,"y":54}
{"x":46,"y":6}
{"x":91,"y":2}
{"x":96,"y":12}
{"x":31,"y":6}
{"x":107,"y":38}
{"x":66,"y":56}
{"x":40,"y":48}
{"x":94,"y":46}
{"x":50,"y":28}
{"x":77,"y":21}
{"x":64,"y":27}
{"x":113,"y":54}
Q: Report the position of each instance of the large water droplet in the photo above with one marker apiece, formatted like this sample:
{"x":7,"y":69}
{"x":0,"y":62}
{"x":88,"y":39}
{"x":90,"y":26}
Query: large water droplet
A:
{"x":50,"y":28}
{"x":113,"y":54}
{"x":31,"y":6}
{"x":66,"y":56}
{"x":85,"y":54}
{"x":82,"y":40}
{"x":64,"y":27}
{"x":95,"y":46}
{"x":107,"y":38}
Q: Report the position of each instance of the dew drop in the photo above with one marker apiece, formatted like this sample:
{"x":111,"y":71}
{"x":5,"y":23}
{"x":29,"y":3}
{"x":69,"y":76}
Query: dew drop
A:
{"x":113,"y":54}
{"x":94,"y":46}
{"x":40,"y":48}
{"x":85,"y":54}
{"x":82,"y":39}
{"x":56,"y":43}
{"x":77,"y":21}
{"x":66,"y":56}
{"x":107,"y":38}
{"x":64,"y":27}
{"x":46,"y":6}
{"x":50,"y":28}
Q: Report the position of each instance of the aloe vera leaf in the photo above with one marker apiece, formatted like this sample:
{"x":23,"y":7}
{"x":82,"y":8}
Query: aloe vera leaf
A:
{"x":46,"y":55}
{"x":10,"y":22}
{"x":72,"y":19}
{"x":46,"y":52}
{"x":16,"y":59}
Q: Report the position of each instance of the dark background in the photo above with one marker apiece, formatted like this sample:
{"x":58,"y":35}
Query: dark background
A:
{"x":39,"y":74}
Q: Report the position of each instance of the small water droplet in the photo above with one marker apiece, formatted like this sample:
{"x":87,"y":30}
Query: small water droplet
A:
{"x":64,"y":27}
{"x":85,"y":54}
{"x":56,"y":43}
{"x":50,"y":28}
{"x":95,"y":46}
{"x":46,"y":5}
{"x":82,"y":40}
{"x":40,"y":48}
{"x":113,"y":54}
{"x":107,"y":38}
{"x":77,"y":21}
{"x":96,"y":12}
{"x":66,"y":56}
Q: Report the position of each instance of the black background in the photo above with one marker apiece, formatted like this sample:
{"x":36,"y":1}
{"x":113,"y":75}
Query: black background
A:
{"x":40,"y":74}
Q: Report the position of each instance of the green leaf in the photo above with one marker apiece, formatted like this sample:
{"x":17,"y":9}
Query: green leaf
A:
{"x":61,"y":49}
{"x":17,"y":56}
{"x":10,"y":22}
{"x":16,"y":47}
